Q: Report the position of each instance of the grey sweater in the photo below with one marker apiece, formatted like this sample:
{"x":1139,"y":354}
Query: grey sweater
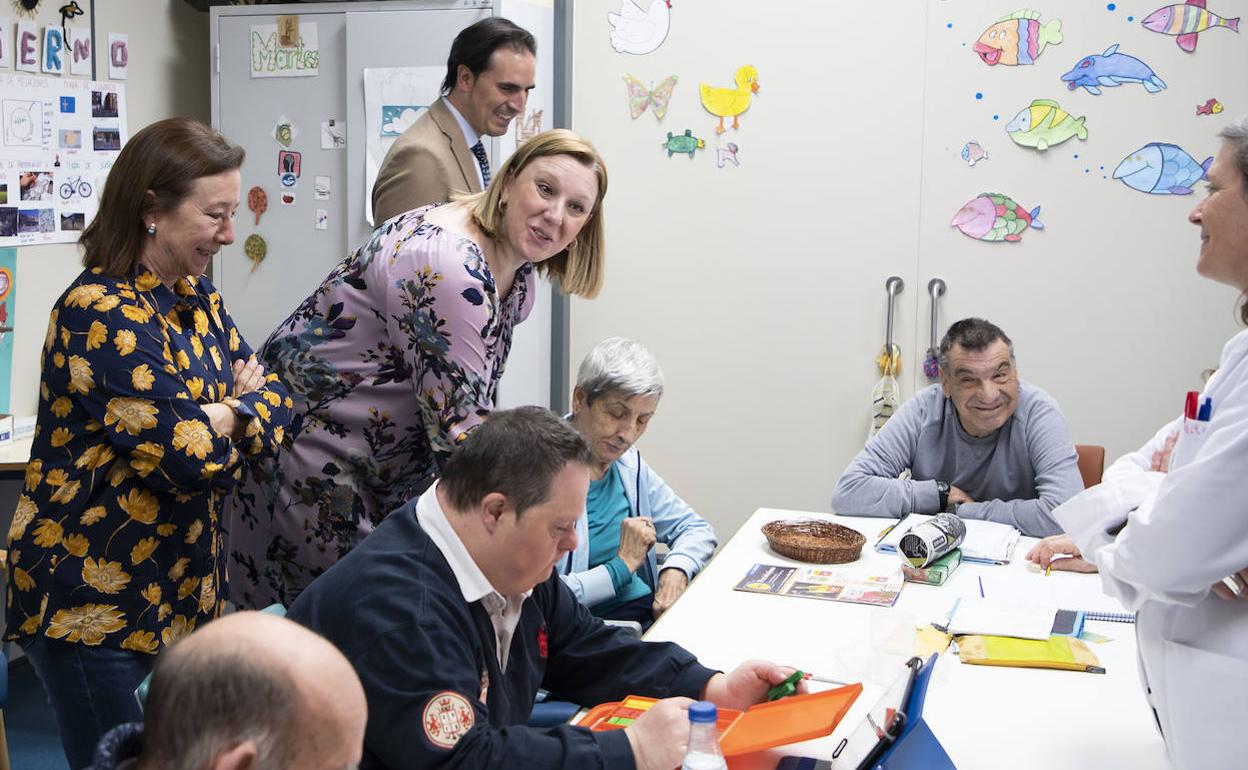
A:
{"x":1017,"y":475}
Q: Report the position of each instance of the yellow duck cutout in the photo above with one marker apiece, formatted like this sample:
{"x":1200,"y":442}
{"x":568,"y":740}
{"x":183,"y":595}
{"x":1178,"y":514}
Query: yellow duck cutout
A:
{"x":731,"y":102}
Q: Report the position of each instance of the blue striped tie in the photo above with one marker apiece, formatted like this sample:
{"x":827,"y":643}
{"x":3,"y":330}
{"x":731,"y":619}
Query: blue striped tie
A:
{"x":478,"y":150}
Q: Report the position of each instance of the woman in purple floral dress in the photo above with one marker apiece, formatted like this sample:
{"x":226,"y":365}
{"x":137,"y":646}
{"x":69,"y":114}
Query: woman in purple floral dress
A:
{"x":398,"y":354}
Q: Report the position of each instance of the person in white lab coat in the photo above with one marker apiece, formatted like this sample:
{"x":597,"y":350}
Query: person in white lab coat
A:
{"x":1186,"y":530}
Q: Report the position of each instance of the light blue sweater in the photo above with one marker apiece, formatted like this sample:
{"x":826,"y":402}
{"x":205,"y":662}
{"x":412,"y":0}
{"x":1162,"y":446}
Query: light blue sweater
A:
{"x":689,"y":537}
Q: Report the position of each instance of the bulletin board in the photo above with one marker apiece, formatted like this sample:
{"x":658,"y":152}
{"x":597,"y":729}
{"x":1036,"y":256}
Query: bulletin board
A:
{"x":58,"y":139}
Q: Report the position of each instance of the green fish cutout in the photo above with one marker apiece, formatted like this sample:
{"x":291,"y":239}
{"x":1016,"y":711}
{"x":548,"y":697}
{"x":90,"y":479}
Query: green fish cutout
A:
{"x":1044,"y":124}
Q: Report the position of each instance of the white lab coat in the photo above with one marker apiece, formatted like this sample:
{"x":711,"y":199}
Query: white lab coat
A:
{"x":1187,"y":529}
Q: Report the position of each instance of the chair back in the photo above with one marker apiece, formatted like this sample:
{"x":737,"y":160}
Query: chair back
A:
{"x":1091,"y":463}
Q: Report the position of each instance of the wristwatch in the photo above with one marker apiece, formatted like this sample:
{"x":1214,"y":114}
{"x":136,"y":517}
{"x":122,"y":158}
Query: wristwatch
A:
{"x":942,"y":489}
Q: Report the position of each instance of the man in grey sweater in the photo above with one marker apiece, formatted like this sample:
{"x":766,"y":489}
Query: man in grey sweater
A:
{"x":981,"y":443}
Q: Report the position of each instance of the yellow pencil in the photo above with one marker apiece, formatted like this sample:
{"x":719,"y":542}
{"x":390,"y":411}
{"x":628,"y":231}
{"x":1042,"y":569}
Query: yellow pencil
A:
{"x":1048,"y":569}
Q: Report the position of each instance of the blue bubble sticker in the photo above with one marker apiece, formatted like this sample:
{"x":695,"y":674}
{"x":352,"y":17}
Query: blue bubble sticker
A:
{"x":979,"y":95}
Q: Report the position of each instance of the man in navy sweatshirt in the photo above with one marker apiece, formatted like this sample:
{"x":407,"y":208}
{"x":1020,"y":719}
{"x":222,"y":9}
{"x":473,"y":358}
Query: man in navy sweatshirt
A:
{"x":453,"y":618}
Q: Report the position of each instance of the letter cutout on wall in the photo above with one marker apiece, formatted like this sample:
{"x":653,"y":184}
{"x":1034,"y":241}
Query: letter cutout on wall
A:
{"x":79,"y":51}
{"x":53,"y":59}
{"x":27,"y":48}
{"x":6,"y":43}
{"x":118,"y":55}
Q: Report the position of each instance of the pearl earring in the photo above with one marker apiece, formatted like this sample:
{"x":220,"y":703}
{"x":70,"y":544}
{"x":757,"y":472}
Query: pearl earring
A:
{"x":151,"y":228}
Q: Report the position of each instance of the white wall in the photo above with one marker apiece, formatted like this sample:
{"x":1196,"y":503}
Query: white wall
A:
{"x":760,"y":288}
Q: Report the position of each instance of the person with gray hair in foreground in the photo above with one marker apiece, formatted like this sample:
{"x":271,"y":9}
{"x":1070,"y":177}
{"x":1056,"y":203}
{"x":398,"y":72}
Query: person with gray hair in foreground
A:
{"x":982,"y":444}
{"x":250,"y":691}
{"x":614,"y":569}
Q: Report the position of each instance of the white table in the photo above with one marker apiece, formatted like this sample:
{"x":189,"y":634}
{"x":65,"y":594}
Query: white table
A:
{"x":15,"y":454}
{"x":986,"y":717}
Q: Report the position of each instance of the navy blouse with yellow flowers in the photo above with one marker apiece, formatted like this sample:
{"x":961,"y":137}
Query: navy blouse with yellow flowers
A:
{"x":116,"y":540}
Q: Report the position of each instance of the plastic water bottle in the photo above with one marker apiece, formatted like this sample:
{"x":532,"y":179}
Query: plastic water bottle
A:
{"x":704,"y":752}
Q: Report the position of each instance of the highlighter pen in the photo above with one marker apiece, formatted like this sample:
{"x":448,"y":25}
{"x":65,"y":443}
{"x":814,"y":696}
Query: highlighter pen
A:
{"x":1191,"y":405}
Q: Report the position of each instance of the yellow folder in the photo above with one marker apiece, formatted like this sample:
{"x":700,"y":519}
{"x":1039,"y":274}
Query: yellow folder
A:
{"x":1060,"y":652}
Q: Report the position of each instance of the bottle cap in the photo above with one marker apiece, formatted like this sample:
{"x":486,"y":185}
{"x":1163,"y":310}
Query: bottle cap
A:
{"x":703,"y":711}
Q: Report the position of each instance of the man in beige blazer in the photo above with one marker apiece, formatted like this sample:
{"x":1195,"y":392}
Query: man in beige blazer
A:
{"x":489,"y":74}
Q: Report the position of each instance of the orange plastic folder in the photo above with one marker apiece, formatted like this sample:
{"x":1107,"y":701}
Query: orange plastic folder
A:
{"x":761,"y":726}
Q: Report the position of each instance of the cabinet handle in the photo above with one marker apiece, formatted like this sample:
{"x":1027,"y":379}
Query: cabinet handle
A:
{"x":931,"y":364}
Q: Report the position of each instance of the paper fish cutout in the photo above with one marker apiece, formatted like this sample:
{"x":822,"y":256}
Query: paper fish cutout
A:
{"x":1044,"y":124}
{"x":731,"y":102}
{"x":1161,"y":169}
{"x":1211,"y":107}
{"x":1017,"y":39}
{"x":727,"y":155}
{"x":972,"y":153}
{"x":995,"y":217}
{"x":1111,"y":69}
{"x":686,"y":142}
{"x":640,"y":97}
{"x":1187,"y":21}
{"x":639,"y":32}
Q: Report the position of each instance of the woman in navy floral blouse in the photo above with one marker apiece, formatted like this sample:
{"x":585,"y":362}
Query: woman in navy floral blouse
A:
{"x":398,"y":353}
{"x":149,"y":405}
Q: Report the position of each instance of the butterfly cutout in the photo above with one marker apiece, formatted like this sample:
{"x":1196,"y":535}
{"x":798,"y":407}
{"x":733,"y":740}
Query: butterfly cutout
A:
{"x":639,"y":97}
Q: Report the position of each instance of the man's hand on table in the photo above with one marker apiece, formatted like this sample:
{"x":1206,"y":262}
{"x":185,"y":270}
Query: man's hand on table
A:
{"x":747,"y":684}
{"x":958,"y":496}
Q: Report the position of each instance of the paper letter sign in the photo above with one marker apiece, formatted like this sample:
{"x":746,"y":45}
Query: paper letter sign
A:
{"x":53,"y":45}
{"x":118,"y":55}
{"x":27,"y":47}
{"x":80,"y":51}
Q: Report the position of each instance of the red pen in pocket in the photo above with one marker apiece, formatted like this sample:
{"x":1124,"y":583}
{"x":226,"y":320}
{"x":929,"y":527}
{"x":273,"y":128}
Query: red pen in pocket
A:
{"x":1192,"y":406}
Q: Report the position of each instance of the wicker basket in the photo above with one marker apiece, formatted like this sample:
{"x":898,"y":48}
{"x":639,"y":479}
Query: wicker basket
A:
{"x":813,"y":540}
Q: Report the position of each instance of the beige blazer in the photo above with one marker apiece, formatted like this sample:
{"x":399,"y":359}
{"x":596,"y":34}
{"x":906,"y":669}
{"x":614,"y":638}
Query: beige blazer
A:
{"x":424,"y":165}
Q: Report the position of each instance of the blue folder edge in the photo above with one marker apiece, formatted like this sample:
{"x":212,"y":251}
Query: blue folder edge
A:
{"x":917,"y":747}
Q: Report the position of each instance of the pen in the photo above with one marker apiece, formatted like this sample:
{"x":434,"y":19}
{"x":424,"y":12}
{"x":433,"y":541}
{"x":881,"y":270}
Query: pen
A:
{"x":981,"y":588}
{"x":1206,"y":410}
{"x":1047,"y":570}
{"x":1192,"y":405}
{"x":948,"y":618}
{"x":885,"y":531}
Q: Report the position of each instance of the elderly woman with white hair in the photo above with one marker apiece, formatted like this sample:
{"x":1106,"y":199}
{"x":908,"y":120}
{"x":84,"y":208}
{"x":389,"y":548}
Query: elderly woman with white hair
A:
{"x":614,"y":569}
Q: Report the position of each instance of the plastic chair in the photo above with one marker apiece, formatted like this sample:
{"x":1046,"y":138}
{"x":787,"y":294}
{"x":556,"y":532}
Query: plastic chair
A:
{"x":1091,"y":463}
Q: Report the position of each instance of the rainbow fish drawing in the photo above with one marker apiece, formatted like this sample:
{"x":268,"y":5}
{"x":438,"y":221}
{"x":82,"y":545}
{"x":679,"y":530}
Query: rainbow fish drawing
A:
{"x":1186,"y":21}
{"x":1017,"y":39}
{"x":995,"y":217}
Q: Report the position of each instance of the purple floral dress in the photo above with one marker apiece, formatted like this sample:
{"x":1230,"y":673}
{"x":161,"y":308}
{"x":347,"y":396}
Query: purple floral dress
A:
{"x":390,"y":362}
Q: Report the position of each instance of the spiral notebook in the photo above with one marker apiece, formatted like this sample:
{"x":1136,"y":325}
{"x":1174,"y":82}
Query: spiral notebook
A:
{"x":1111,"y":617}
